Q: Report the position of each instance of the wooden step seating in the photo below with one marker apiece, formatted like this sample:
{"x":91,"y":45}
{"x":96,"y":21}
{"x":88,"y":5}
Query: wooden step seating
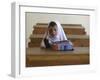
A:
{"x":35,"y":56}
{"x":46,"y":57}
{"x":77,"y":40}
{"x":75,"y":32}
{"x":75,"y":29}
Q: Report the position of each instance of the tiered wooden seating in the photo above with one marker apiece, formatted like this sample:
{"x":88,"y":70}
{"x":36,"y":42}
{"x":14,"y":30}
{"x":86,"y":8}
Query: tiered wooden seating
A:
{"x":77,"y":40}
{"x":35,"y":56}
{"x":46,"y":57}
{"x":75,"y":29}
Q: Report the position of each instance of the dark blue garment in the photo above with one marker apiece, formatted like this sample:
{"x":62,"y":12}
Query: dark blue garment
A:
{"x":64,"y":46}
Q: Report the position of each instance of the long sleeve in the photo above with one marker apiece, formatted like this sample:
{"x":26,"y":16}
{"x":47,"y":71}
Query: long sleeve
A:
{"x":46,"y":42}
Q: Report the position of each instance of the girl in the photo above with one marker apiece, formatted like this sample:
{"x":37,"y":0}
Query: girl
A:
{"x":53,"y":34}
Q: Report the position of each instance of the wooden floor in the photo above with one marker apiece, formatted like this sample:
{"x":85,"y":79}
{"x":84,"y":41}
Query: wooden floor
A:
{"x":46,"y":57}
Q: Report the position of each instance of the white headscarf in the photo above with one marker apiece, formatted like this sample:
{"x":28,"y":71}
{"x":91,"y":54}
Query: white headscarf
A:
{"x":59,"y":37}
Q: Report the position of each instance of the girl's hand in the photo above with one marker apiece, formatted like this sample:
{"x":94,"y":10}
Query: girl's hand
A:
{"x":54,"y":47}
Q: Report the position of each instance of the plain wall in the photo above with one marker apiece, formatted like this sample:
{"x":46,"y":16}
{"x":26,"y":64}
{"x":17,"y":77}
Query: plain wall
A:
{"x":33,"y":18}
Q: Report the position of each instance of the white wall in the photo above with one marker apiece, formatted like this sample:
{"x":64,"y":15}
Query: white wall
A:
{"x":33,"y":18}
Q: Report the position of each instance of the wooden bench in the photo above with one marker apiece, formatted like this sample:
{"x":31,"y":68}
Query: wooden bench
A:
{"x":77,"y":40}
{"x":47,"y":57}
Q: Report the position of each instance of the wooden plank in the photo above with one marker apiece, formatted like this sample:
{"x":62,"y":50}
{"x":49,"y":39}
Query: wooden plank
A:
{"x":65,"y":60}
{"x":69,"y":36}
{"x":42,"y":51}
{"x":44,"y":57}
{"x":77,"y":40}
{"x":68,"y":30}
{"x":61,"y":24}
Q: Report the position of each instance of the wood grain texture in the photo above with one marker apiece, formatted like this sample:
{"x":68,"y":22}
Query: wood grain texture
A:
{"x":46,"y":57}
